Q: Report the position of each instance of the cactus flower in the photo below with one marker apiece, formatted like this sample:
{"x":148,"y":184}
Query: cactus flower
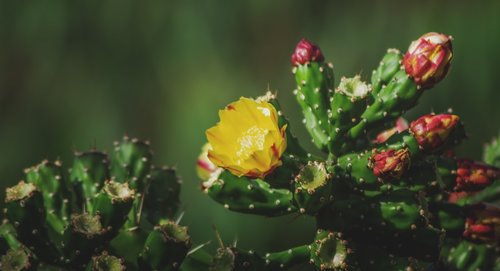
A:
{"x":431,"y":131}
{"x":401,"y":125}
{"x":390,"y":163}
{"x":473,"y":175}
{"x":248,"y":140}
{"x":428,"y":59}
{"x":306,"y":52}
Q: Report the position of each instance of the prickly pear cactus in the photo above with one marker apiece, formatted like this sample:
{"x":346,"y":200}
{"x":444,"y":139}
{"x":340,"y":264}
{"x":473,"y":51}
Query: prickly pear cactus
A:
{"x":105,"y":213}
{"x":386,"y":195}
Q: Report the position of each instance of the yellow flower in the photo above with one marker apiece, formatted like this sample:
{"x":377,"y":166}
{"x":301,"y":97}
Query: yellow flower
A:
{"x":248,"y":140}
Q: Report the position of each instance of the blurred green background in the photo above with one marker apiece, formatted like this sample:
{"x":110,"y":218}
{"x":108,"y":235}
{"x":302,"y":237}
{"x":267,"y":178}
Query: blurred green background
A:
{"x":79,"y":74}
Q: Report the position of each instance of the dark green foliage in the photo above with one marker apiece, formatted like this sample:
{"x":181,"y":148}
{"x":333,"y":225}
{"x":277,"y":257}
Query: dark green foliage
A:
{"x":70,"y":221}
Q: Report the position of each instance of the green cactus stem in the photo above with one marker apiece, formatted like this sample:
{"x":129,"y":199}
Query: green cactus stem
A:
{"x":347,"y":105}
{"x":113,"y":205}
{"x":89,"y":172}
{"x":252,"y":196}
{"x":82,"y":239}
{"x":491,"y":153}
{"x":48,"y":178}
{"x":128,"y":244}
{"x":165,"y":247}
{"x":106,"y":262}
{"x":468,"y":256}
{"x":162,"y":195}
{"x":24,"y":209}
{"x":132,"y":162}
{"x":313,"y":188}
{"x":16,"y":260}
{"x":397,"y":221}
{"x":315,"y":82}
{"x":387,"y":68}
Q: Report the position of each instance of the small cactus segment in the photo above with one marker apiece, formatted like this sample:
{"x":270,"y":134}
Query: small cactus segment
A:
{"x":84,"y":235}
{"x":250,"y":196}
{"x":347,"y":105}
{"x":132,"y":162}
{"x":162,"y":195}
{"x":56,"y":193}
{"x":23,"y":208}
{"x":491,"y":154}
{"x":315,"y":82}
{"x":329,"y":251}
{"x":16,"y":260}
{"x":388,"y":195}
{"x":89,"y":172}
{"x":106,"y":262}
{"x":67,"y":221}
{"x":313,"y":188}
{"x":388,"y":67}
{"x":165,"y":247}
{"x":113,"y":204}
{"x":469,"y":256}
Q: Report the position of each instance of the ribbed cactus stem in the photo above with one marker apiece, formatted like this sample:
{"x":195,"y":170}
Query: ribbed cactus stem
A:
{"x":165,"y":247}
{"x":347,"y":104}
{"x":24,"y":209}
{"x":113,"y":204}
{"x":388,"y":67}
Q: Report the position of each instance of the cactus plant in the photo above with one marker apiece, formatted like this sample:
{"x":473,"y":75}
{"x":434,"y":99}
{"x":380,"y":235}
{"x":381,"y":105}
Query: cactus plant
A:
{"x":384,"y":197}
{"x":106,"y":214}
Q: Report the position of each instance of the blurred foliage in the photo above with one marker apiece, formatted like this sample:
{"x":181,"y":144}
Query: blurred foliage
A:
{"x":77,"y":74}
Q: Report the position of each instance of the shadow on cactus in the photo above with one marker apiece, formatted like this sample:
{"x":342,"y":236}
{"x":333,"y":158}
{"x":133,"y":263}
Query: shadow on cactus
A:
{"x":386,"y":195}
{"x":105,"y":214}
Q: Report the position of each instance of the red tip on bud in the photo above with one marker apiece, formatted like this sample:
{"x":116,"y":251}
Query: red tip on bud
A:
{"x":482,"y":223}
{"x":432,"y":131}
{"x":390,"y":163}
{"x":401,"y":125}
{"x":306,"y":52}
{"x":428,"y":59}
{"x":472,"y":175}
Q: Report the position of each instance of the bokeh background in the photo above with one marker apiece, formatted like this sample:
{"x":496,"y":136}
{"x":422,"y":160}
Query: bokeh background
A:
{"x":81,"y":74}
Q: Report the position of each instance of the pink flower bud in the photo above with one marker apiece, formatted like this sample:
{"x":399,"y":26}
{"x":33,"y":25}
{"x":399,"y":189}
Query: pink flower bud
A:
{"x":473,"y":175}
{"x":431,"y":131}
{"x":401,"y":125}
{"x":428,"y":59}
{"x":390,"y":163}
{"x":482,"y":223}
{"x":306,"y":52}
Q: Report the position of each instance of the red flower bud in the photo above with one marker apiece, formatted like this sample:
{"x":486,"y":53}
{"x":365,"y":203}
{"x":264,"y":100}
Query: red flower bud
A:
{"x":473,"y":175}
{"x":428,"y":59}
{"x":306,"y":52}
{"x":482,"y":223}
{"x":390,"y":163}
{"x":401,"y":125}
{"x":454,"y":197}
{"x":431,"y":131}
